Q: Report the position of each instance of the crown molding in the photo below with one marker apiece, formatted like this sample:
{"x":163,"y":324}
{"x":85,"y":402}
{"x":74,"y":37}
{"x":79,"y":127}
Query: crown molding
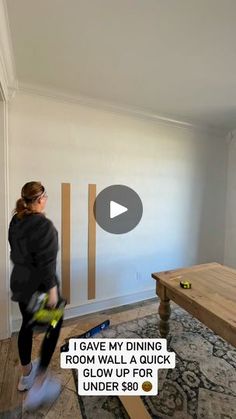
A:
{"x":231,"y":138}
{"x":8,"y":79}
{"x":56,"y":94}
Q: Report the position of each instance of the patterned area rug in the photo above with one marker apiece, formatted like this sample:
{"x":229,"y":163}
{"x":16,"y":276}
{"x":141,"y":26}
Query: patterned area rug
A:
{"x":203,"y":384}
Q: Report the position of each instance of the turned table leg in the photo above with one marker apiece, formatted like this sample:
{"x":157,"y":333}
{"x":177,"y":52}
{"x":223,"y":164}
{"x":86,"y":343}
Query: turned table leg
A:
{"x":164,"y":311}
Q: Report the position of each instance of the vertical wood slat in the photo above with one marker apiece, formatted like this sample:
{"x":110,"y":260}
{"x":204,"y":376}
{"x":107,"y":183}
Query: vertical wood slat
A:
{"x":91,"y":243}
{"x":134,"y":406}
{"x":65,"y":240}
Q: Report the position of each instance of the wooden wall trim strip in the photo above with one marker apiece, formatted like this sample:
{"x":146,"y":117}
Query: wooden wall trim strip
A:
{"x":65,"y":240}
{"x":91,"y":243}
{"x":134,"y":407}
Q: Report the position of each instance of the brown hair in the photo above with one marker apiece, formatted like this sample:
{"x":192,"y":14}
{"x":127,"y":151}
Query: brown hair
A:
{"x":29,"y":193}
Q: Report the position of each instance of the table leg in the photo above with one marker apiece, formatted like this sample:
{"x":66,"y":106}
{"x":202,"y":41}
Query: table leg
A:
{"x":164,"y":311}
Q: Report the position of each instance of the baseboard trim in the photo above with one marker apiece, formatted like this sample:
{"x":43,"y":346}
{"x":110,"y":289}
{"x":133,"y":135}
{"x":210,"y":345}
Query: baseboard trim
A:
{"x":98,"y":305}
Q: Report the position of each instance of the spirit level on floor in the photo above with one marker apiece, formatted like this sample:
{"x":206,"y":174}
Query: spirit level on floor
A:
{"x":88,"y":334}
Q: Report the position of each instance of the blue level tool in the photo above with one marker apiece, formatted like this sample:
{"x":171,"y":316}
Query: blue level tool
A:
{"x":88,"y":334}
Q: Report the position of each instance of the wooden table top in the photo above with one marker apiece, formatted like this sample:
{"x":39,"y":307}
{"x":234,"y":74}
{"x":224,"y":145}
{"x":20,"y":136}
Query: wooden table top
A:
{"x":212,"y":298}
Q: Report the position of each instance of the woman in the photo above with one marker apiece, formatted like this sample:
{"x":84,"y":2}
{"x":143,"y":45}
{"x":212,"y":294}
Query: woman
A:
{"x":34,"y":244}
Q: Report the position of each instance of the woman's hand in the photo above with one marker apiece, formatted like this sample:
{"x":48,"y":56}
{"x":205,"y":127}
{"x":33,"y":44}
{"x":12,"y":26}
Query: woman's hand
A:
{"x":52,"y":297}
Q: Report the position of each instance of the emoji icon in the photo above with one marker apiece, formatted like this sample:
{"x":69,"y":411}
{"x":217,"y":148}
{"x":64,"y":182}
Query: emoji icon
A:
{"x":147,"y":386}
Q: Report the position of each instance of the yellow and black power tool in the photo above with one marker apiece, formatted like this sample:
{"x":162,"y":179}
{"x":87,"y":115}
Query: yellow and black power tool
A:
{"x":43,"y":315}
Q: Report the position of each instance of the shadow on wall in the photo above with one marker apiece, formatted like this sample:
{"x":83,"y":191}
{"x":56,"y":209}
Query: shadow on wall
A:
{"x":212,"y":221}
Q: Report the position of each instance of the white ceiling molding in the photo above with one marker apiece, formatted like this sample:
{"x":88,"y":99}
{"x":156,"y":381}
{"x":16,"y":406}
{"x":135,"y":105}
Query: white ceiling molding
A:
{"x":114,"y":107}
{"x":8,"y":79}
{"x":231,"y":137}
{"x":3,"y":79}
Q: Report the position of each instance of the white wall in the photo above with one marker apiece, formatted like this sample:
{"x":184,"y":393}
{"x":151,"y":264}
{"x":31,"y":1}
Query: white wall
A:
{"x":230,"y":231}
{"x":179,"y":174}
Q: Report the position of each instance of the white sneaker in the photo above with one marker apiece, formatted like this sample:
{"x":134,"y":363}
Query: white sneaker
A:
{"x":26,"y":381}
{"x":46,"y":393}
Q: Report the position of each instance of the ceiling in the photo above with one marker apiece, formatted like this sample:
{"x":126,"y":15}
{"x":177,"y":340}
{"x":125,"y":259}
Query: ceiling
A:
{"x":173,"y":58}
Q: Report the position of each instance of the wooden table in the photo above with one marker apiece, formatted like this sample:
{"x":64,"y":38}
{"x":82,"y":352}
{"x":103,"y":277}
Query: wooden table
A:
{"x":212,"y":298}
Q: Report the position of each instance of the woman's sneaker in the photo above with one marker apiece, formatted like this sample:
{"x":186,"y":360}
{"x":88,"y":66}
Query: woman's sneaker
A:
{"x":48,"y":392}
{"x":26,"y":381}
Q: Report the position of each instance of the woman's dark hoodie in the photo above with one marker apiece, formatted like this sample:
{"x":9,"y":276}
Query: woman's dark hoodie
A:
{"x":34,"y":246}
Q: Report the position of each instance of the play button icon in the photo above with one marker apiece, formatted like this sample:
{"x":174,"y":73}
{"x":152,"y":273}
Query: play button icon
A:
{"x":118,"y":209}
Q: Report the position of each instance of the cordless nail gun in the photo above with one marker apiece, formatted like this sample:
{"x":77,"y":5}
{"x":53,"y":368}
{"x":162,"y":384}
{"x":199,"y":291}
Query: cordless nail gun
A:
{"x":41,"y":313}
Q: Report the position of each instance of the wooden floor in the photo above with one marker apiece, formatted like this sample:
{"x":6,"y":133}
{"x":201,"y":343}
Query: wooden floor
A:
{"x":66,"y":406}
